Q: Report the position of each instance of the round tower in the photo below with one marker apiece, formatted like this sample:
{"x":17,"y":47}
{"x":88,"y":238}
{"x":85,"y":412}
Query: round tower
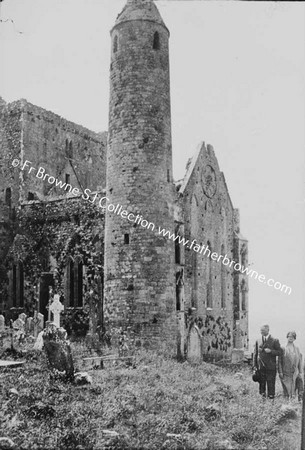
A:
{"x":139,"y":262}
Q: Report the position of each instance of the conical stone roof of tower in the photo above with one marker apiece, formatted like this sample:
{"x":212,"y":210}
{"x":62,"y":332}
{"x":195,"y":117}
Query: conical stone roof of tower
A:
{"x":140,"y":10}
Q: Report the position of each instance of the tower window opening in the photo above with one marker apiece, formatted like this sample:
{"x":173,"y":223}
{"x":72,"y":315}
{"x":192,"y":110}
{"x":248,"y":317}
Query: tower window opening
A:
{"x":243,"y":296}
{"x":126,"y":238}
{"x":156,"y":43}
{"x":168,"y":176}
{"x":70,"y":151}
{"x":115,"y":44}
{"x":67,"y":178}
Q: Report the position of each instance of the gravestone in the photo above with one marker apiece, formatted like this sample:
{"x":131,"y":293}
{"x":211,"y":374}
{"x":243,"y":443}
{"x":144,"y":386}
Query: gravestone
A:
{"x":2,"y":323}
{"x":58,"y":351}
{"x":35,"y":324}
{"x":29,"y":327}
{"x":40,"y":318}
{"x":39,"y":342}
{"x":23,"y":317}
{"x":19,"y":329}
{"x":56,"y":308}
{"x":194,"y":344}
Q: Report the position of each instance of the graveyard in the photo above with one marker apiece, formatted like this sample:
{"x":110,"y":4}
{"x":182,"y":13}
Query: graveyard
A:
{"x":66,"y":393}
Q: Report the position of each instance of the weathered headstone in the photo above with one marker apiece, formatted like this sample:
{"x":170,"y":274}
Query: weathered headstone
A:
{"x":58,"y":351}
{"x":29,"y":326}
{"x":2,"y":323}
{"x":23,"y":317}
{"x":35,"y":324}
{"x":11,"y":334}
{"x":194,"y":344}
{"x":56,"y":308}
{"x":39,"y":342}
{"x":19,"y":329}
{"x":40,"y":318}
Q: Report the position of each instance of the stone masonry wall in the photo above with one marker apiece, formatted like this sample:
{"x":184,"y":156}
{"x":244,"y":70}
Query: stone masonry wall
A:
{"x":10,"y":148}
{"x":66,"y":151}
{"x":139,"y":264}
{"x":208,"y":214}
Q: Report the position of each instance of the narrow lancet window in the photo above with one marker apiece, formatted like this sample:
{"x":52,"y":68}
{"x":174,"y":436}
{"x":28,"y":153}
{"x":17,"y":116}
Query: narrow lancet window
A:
{"x":156,"y":43}
{"x":115,"y":44}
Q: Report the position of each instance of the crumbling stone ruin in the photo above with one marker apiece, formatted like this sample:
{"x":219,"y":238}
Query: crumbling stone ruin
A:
{"x":86,"y":221}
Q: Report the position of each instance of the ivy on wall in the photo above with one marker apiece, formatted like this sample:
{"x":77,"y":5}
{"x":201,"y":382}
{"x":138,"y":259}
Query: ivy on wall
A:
{"x":49,"y":235}
{"x":216,"y":333}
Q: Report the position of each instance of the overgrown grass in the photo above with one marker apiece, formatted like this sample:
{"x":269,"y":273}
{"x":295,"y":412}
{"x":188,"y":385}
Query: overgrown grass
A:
{"x":159,"y":404}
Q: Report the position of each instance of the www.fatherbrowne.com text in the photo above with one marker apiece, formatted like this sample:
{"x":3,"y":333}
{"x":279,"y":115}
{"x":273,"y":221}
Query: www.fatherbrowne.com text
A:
{"x":104,"y":203}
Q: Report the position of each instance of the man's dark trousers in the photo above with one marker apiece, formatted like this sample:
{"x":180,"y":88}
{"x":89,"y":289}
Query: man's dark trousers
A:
{"x":266,"y":363}
{"x":267,"y":377}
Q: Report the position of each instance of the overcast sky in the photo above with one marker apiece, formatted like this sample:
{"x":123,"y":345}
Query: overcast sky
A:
{"x":237,"y":82}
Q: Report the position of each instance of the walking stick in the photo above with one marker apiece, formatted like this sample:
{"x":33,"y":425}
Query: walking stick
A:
{"x":303,"y":420}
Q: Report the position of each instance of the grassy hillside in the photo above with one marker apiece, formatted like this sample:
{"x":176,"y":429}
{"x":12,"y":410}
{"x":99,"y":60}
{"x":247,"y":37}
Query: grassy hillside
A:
{"x":159,"y":404}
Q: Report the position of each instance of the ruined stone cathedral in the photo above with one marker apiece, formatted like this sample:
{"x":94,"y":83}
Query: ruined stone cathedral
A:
{"x":99,"y":219}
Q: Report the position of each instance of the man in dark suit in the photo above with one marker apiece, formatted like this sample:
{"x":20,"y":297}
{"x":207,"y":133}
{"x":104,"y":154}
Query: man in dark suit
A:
{"x":266,"y":350}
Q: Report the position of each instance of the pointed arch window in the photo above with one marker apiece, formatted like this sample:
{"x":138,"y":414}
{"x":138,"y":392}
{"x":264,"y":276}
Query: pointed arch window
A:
{"x":156,"y":42}
{"x":194,"y":297}
{"x":177,"y":247}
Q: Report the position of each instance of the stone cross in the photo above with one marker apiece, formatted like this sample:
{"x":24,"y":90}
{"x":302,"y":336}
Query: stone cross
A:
{"x":56,"y":309}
